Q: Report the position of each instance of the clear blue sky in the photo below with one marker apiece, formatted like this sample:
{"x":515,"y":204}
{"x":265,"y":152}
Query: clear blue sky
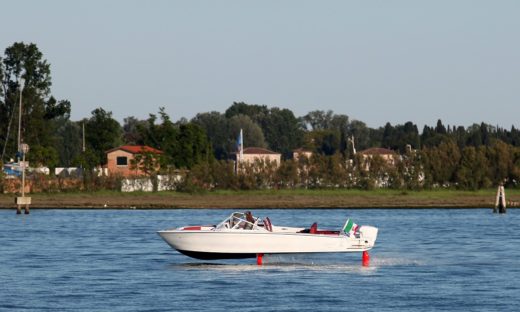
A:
{"x":375,"y":61}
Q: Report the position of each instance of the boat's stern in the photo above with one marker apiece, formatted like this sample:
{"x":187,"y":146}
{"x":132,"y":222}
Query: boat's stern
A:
{"x":368,"y":234}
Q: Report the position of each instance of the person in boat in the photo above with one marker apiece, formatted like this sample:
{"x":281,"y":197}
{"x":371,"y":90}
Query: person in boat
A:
{"x":250,"y":221}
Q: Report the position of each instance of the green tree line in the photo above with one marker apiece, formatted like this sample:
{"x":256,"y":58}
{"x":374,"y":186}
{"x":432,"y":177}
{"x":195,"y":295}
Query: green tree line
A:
{"x":473,"y":157}
{"x":445,"y":166}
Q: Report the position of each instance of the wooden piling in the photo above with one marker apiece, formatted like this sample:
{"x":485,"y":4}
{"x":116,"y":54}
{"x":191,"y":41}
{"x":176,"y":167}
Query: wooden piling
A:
{"x":500,"y":202}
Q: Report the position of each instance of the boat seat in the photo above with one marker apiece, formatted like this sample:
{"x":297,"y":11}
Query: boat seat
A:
{"x":267,"y":224}
{"x":314,"y":228}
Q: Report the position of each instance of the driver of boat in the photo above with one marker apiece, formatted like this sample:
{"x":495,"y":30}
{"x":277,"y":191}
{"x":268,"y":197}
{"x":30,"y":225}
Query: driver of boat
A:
{"x":250,"y":221}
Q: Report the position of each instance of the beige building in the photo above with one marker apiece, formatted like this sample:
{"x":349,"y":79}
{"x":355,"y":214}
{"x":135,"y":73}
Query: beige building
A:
{"x":299,"y":153}
{"x":119,"y":159}
{"x":251,"y":154}
{"x":387,"y":155}
{"x":384,"y":153}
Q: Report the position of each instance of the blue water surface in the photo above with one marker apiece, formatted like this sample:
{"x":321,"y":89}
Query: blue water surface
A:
{"x":113,"y":260}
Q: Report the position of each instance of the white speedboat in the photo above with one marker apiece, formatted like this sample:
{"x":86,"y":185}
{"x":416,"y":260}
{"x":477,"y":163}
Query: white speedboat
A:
{"x":241,"y":235}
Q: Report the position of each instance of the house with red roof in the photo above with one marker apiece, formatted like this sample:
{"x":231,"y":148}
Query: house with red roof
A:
{"x":388,"y":155}
{"x":252,"y":154}
{"x":121,"y":160}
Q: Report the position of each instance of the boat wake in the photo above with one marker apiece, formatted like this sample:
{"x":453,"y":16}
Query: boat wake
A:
{"x":391,"y":261}
{"x":300,"y":262}
{"x":270,"y":267}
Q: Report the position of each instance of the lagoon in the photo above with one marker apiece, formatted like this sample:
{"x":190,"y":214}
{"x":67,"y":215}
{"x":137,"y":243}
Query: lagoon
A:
{"x":112,"y":260}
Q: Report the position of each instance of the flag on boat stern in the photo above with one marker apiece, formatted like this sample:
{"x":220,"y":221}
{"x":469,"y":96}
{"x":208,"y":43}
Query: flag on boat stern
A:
{"x":350,"y":227}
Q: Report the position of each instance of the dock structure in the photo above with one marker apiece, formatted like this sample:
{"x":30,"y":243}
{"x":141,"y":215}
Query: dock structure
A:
{"x":500,"y":202}
{"x":22,"y":201}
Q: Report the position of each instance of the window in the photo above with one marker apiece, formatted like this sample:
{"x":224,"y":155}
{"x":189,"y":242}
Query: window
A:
{"x":122,"y":161}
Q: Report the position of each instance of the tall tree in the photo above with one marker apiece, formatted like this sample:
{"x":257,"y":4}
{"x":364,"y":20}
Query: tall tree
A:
{"x":255,"y":112}
{"x":162,"y":136}
{"x":280,"y":127}
{"x":102,"y":132}
{"x":131,"y":133}
{"x":184,"y":143}
{"x":281,"y":131}
{"x":326,"y":142}
{"x":69,"y":141}
{"x":217,"y":129}
{"x":318,"y":120}
{"x":362,"y":135}
{"x":474,"y":136}
{"x":192,"y":147}
{"x":400,"y":136}
{"x":24,"y":66}
{"x":440,"y":129}
{"x":389,"y":136}
{"x":472,"y":173}
{"x":501,"y":162}
{"x":253,"y":134}
{"x":441,"y":163}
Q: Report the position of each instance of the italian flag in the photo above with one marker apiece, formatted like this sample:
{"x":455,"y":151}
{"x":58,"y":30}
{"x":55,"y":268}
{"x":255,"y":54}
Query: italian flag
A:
{"x":350,"y":227}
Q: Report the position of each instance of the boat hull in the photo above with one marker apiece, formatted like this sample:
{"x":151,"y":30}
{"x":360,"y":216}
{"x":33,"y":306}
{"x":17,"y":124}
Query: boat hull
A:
{"x":216,"y":255}
{"x":247,"y":244}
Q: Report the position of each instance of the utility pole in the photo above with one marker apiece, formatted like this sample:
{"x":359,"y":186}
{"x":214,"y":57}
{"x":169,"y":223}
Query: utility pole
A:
{"x":83,"y":124}
{"x":20,"y":118}
{"x":23,"y":149}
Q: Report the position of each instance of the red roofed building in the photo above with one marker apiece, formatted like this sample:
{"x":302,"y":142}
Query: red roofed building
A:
{"x":119,"y":159}
{"x":386,"y":154}
{"x":250,"y":154}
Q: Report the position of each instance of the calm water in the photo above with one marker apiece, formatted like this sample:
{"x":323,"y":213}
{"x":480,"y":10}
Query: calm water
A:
{"x":424,"y":260}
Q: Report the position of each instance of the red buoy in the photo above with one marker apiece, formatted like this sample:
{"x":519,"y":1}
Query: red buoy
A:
{"x":259,"y":258}
{"x":365,"y":258}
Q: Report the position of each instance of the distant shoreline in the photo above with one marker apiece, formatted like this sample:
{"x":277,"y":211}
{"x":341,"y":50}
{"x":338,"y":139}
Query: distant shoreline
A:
{"x":271,"y":199}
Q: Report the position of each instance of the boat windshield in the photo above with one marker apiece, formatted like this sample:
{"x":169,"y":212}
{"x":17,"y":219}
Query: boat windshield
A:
{"x":240,"y":220}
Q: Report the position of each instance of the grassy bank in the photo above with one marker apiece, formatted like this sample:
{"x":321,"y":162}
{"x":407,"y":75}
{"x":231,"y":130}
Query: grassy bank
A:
{"x":380,"y":198}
